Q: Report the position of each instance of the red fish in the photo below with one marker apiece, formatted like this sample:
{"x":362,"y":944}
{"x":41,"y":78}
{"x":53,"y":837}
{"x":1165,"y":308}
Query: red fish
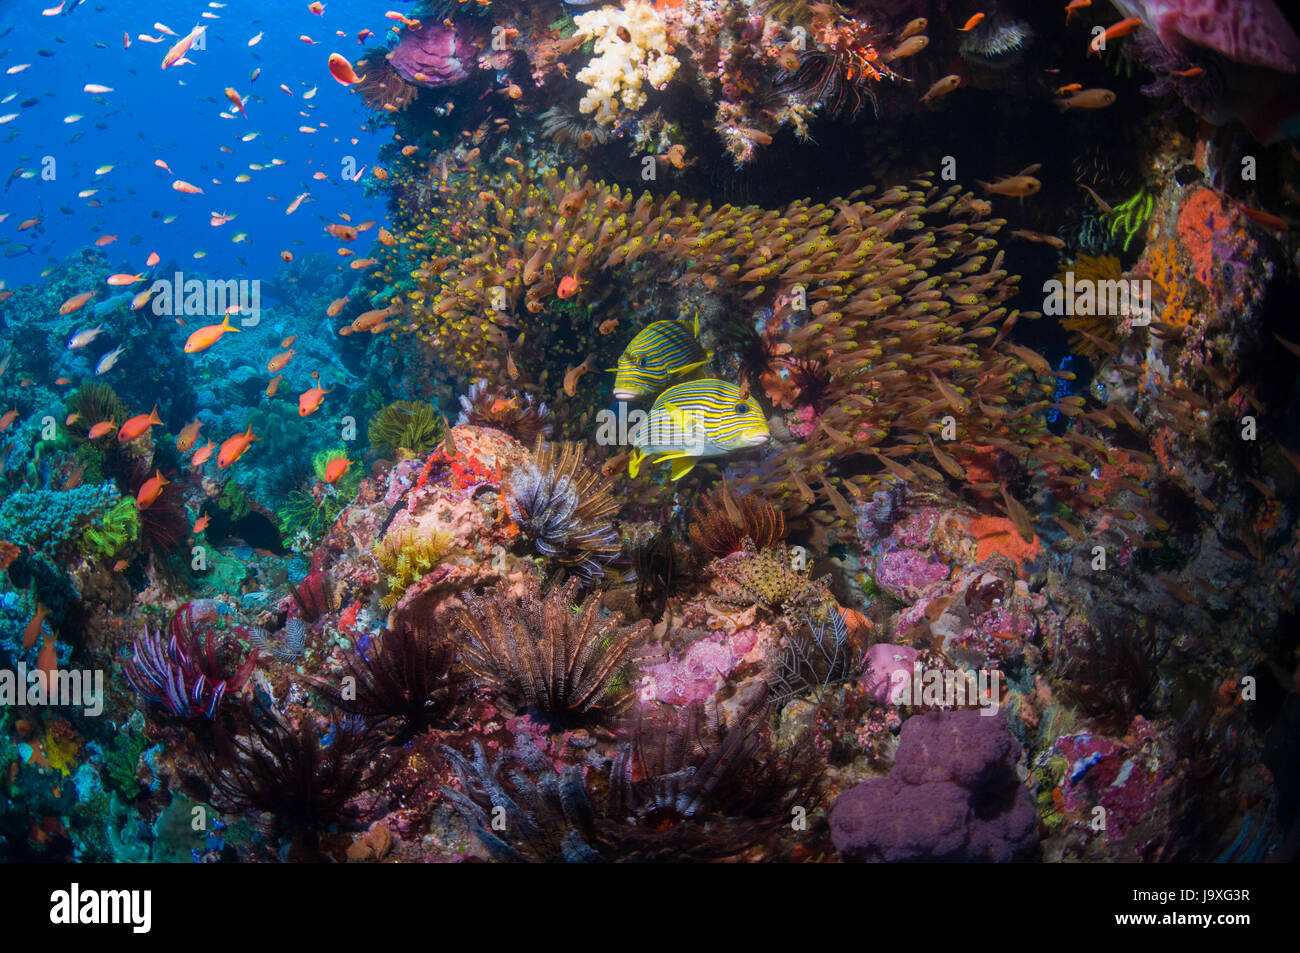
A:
{"x":236,"y":447}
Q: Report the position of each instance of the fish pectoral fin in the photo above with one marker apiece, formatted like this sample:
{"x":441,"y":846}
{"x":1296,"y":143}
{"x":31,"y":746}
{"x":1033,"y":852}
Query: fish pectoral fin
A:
{"x":687,"y":368}
{"x":682,"y":466}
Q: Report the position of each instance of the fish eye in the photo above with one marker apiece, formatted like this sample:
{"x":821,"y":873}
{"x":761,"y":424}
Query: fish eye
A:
{"x":742,"y":408}
{"x":640,"y":361}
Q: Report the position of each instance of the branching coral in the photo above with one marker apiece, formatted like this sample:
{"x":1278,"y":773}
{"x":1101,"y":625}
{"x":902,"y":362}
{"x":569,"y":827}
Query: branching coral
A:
{"x":405,"y":558}
{"x":406,"y":683}
{"x":53,"y":520}
{"x":183,"y":672}
{"x":721,"y":522}
{"x":410,"y":427}
{"x":565,"y":662}
{"x":563,"y":507}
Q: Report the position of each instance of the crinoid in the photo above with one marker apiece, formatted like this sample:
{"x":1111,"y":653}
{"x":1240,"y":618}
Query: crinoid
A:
{"x":1112,"y":673}
{"x":1095,"y":309}
{"x":299,"y":785}
{"x":816,"y":655}
{"x":811,"y":378}
{"x":563,"y":506}
{"x":406,"y":557}
{"x":94,"y":403}
{"x":837,"y":70}
{"x":518,"y":414}
{"x":406,"y":682}
{"x":682,"y":787}
{"x":191,"y":668}
{"x":694,"y":787}
{"x":405,"y":428}
{"x":544,"y":652}
{"x":381,"y":86}
{"x":565,"y":127}
{"x":721,"y":522}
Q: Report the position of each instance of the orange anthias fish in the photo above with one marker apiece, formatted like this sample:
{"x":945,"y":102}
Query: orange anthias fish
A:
{"x":274,"y":386}
{"x":235,"y":447}
{"x":236,"y":100}
{"x":101,"y":429}
{"x":189,"y":433}
{"x":288,"y":342}
{"x":33,"y":630}
{"x":117,"y":281}
{"x":342,"y":70}
{"x":152,"y":260}
{"x":336,"y":468}
{"x":138,"y":424}
{"x":201,"y":524}
{"x":336,"y":306}
{"x":201,"y":455}
{"x":972,"y":23}
{"x":150,"y":490}
{"x":278,"y":363}
{"x":182,"y":46}
{"x":1074,"y":6}
{"x":205,"y":337}
{"x":180,"y":185}
{"x":75,"y":302}
{"x":309,"y":400}
{"x":1113,"y":32}
{"x":104,"y":240}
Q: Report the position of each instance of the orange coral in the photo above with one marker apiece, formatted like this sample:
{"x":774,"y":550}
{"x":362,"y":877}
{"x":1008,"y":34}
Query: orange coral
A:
{"x":1201,"y":217}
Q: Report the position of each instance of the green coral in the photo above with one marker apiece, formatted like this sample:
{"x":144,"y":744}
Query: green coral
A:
{"x":409,"y":427}
{"x":234,"y":501}
{"x":406,"y":557}
{"x":119,"y":528}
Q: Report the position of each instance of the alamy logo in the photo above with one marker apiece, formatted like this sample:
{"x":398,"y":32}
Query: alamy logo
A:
{"x":63,"y":688}
{"x":635,"y":428}
{"x":199,"y":297}
{"x":1118,"y":297}
{"x":946,"y":688}
{"x":77,"y":906}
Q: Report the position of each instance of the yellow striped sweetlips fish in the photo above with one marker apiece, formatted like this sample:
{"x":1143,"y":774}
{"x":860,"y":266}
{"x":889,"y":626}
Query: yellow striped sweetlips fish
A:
{"x":704,"y":418}
{"x":659,"y":355}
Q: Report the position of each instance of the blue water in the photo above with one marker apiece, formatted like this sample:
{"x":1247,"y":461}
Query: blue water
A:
{"x":175,"y":115}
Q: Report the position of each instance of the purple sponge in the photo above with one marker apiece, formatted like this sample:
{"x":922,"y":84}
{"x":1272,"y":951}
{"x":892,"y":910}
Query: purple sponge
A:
{"x":953,"y":794}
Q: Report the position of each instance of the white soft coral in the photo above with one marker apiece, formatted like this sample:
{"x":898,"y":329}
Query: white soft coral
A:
{"x":623,"y":63}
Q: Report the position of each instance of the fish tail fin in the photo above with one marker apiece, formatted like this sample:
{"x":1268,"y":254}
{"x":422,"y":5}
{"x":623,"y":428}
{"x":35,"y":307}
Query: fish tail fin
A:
{"x":697,"y":325}
{"x":682,"y":466}
{"x":153,"y":415}
{"x":634,"y":463}
{"x":250,"y":435}
{"x":226,"y":325}
{"x":983,"y":185}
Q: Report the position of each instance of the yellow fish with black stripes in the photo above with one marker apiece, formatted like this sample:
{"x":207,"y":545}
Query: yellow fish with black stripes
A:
{"x":704,"y":418}
{"x":659,"y":355}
